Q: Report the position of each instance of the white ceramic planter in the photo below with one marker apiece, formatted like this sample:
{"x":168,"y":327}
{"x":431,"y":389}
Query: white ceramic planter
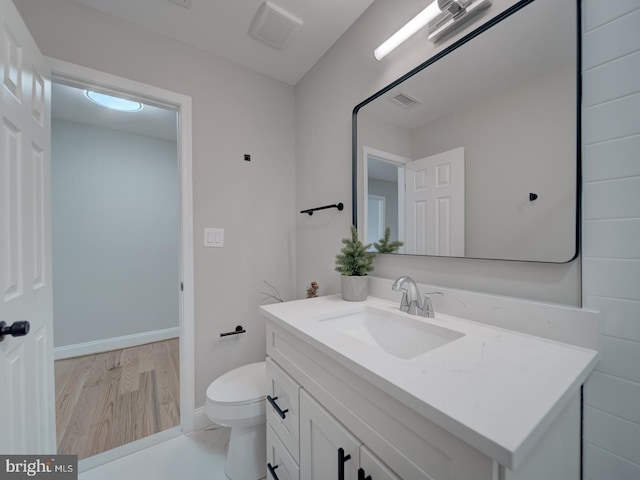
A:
{"x":354,"y":289}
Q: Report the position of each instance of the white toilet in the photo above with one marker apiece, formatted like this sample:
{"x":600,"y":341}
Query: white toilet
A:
{"x":237,"y":400}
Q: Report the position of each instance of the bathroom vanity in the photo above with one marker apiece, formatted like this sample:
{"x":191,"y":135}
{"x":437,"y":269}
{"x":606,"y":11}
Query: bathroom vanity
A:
{"x":364,"y":391}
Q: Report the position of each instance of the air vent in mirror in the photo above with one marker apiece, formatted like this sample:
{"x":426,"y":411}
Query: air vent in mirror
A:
{"x":405,"y":100}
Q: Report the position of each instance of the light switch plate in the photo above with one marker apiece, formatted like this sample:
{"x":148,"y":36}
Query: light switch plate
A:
{"x":214,"y":237}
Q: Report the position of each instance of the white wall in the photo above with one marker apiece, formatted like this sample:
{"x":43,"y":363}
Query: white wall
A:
{"x":611,"y":234}
{"x":116,"y":232}
{"x":235,"y":111}
{"x":325,"y":97}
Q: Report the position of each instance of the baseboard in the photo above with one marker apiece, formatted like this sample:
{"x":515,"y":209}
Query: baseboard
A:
{"x":127,"y":449}
{"x":201,"y":420}
{"x":98,"y":346}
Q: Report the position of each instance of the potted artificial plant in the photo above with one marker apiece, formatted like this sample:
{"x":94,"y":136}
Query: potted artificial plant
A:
{"x":354,"y":262}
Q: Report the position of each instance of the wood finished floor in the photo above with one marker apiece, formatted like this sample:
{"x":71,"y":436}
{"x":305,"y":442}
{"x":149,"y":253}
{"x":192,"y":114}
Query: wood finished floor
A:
{"x":109,"y":399}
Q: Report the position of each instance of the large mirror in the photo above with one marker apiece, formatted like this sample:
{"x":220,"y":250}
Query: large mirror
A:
{"x":475,"y":153}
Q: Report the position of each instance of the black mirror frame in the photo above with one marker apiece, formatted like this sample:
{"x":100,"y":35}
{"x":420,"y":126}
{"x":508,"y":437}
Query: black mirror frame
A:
{"x":457,"y":44}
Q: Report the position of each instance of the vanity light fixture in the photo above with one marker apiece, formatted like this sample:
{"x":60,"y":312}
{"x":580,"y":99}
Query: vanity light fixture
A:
{"x":114,"y":103}
{"x":441,"y":16}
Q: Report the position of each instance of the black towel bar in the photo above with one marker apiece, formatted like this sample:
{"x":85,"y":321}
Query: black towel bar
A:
{"x":237,"y":331}
{"x":310,"y":211}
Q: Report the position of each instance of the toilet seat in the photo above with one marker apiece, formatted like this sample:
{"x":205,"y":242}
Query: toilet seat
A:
{"x":237,"y":398}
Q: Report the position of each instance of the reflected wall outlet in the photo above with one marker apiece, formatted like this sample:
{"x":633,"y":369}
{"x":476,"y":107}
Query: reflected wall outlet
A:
{"x":214,"y":237}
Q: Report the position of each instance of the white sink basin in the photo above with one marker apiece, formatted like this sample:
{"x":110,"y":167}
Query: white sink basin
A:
{"x":396,"y":334}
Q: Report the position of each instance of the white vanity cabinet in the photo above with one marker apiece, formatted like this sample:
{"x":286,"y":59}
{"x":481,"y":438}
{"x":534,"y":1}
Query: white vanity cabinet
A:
{"x":329,"y":450}
{"x":491,"y":404}
{"x":324,"y":448}
{"x":338,"y":409}
{"x":282,"y":407}
{"x":373,"y":467}
{"x":280,"y":463}
{"x":283,"y":444}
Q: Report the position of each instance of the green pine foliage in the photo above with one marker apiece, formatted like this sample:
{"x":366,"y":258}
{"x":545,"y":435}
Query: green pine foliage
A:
{"x":385,"y":246}
{"x":354,"y":260}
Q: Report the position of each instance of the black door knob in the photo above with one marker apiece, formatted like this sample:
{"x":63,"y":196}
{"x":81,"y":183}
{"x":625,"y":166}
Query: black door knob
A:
{"x":17,"y":329}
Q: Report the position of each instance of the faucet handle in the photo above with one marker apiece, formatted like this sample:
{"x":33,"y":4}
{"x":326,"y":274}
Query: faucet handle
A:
{"x":427,"y":310}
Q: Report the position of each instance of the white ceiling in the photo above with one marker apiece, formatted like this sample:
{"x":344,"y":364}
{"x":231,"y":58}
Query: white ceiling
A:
{"x":221,"y":27}
{"x":70,"y":104}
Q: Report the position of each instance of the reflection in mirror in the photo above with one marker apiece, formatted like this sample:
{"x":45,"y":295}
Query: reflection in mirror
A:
{"x":385,"y":201}
{"x":475,"y":155}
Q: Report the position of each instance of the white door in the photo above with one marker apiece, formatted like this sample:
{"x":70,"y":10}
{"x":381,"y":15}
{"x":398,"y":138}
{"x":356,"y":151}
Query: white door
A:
{"x":325,"y":445}
{"x":27,"y":424}
{"x":435,"y":205}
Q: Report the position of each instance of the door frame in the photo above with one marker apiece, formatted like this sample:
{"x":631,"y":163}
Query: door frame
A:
{"x":382,"y":205}
{"x":89,"y":78}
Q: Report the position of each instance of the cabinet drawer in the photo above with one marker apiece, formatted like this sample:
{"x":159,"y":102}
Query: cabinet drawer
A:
{"x":283,"y":407}
{"x":282,"y":465}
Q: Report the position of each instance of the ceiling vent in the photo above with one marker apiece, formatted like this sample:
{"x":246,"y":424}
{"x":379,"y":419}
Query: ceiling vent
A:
{"x":404,"y":100}
{"x":274,"y":26}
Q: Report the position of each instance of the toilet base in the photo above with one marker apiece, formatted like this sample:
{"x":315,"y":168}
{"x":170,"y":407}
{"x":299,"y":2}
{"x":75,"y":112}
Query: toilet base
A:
{"x":247,"y":453}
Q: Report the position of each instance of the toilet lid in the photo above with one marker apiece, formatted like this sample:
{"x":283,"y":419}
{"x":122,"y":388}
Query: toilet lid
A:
{"x":244,"y":384}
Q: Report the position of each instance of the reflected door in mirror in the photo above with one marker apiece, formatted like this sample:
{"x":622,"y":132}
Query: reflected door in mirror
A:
{"x":435,"y":205}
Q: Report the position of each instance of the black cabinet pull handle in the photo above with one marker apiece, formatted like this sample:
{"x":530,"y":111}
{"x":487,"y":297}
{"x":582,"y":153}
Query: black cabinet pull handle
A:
{"x":361,"y":475}
{"x":16,"y":329}
{"x":342,"y":458}
{"x":272,"y":471}
{"x":276,"y":407}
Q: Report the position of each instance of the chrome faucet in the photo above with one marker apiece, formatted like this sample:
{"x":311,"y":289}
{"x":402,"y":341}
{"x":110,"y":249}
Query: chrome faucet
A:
{"x":411,"y":301}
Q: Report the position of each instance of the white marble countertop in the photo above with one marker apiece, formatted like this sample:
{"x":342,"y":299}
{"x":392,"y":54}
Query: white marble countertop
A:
{"x":495,"y":389}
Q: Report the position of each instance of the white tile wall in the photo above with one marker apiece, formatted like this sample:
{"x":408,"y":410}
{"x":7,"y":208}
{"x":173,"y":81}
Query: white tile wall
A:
{"x":612,"y":39}
{"x":602,"y":464}
{"x":611,"y":234}
{"x":620,"y":358}
{"x":616,"y":278}
{"x":625,"y":110}
{"x":614,"y":395}
{"x":613,"y":80}
{"x":609,"y":238}
{"x":597,"y":12}
{"x":621,"y":159}
{"x":613,"y":434}
{"x":621,"y":316}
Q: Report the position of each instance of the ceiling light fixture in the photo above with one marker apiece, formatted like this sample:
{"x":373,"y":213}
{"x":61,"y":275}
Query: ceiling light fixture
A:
{"x":114,"y":103}
{"x":441,"y":16}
